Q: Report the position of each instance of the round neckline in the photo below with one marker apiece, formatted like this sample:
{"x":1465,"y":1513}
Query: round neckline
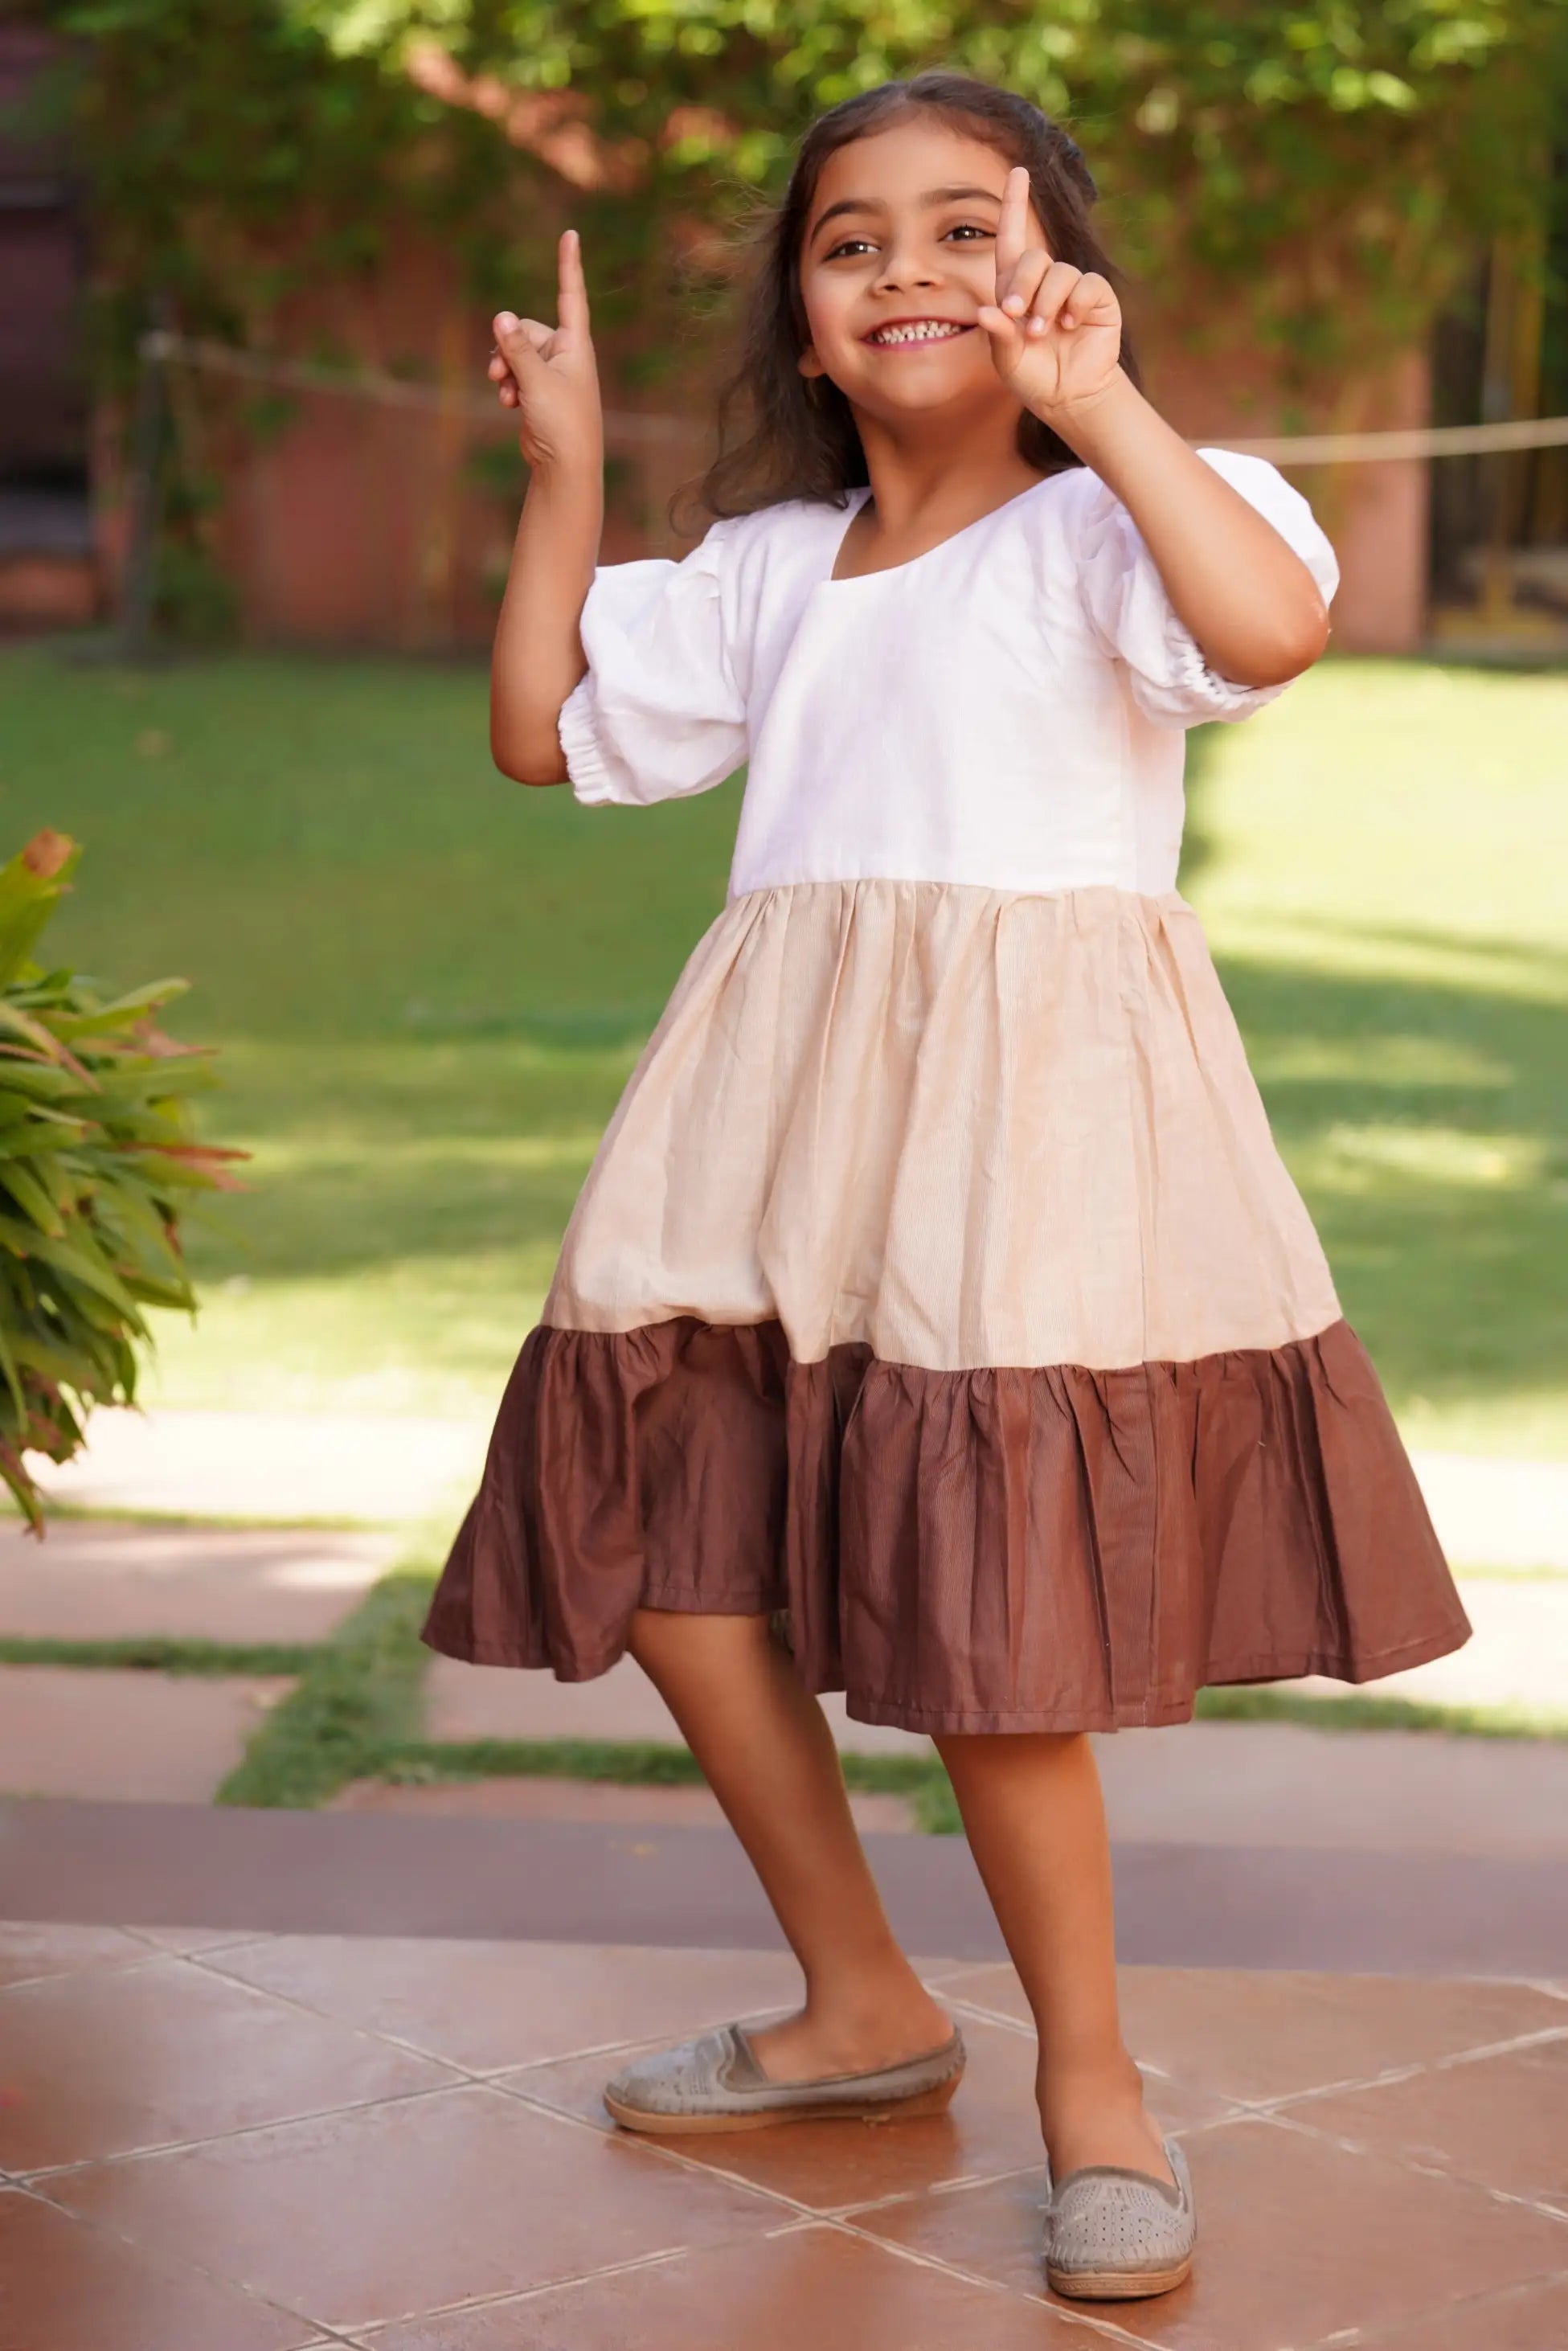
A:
{"x":862,"y":495}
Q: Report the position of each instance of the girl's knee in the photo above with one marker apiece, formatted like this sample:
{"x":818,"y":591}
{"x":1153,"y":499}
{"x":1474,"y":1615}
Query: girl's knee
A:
{"x":658,"y":1632}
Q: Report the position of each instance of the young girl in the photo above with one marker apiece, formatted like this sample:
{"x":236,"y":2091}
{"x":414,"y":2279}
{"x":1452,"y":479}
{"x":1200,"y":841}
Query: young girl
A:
{"x":937,"y":1280}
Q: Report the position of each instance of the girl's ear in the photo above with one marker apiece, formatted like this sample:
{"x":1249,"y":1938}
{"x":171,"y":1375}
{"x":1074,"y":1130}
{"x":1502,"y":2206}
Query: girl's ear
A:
{"x":809,"y":363}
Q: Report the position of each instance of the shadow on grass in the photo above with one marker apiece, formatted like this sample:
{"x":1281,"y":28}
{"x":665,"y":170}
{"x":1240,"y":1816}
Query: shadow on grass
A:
{"x":1424,"y":1113}
{"x":1442,"y":1201}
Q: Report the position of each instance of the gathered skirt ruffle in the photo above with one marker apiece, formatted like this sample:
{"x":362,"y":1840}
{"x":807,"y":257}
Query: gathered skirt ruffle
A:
{"x":1047,"y":1549}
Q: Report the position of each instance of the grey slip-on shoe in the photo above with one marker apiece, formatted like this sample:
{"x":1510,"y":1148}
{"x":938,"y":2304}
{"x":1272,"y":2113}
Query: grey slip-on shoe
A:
{"x":716,"y":2084}
{"x":1112,"y":2233}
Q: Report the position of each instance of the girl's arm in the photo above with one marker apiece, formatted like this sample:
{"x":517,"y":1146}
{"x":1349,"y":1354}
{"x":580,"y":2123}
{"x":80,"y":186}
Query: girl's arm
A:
{"x":1250,"y":603}
{"x":1056,"y":334}
{"x":549,"y":376}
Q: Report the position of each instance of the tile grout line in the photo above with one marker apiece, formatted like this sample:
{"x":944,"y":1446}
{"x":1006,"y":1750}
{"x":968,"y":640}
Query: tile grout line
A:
{"x":651,"y":2144}
{"x":178,"y":2263}
{"x":460,"y":2077}
{"x":659,"y":2260}
{"x":134,"y":1964}
{"x":489,"y":2076}
{"x":1366,"y":2339}
{"x":495,"y":2079}
{"x":157,"y":2151}
{"x":1396,"y":2073}
{"x":997,"y":2285}
{"x":199,"y":1960}
{"x":1343,"y":2087}
{"x":419,"y":2048}
{"x":804,"y":2215}
{"x":149,"y":1935}
{"x":618,"y":2048}
{"x":74,"y":1975}
{"x":958,"y":2185}
{"x":1406,"y":2161}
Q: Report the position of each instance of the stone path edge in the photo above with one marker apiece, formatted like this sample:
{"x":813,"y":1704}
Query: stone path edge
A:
{"x":311,"y":1873}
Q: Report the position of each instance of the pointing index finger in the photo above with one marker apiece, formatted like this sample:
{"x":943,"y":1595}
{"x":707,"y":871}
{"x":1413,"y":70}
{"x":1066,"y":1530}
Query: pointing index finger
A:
{"x":572,"y":299}
{"x":1012,"y":225}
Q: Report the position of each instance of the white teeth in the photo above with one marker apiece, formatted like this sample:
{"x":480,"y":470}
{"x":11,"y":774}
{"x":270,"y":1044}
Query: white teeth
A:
{"x":923,"y":331}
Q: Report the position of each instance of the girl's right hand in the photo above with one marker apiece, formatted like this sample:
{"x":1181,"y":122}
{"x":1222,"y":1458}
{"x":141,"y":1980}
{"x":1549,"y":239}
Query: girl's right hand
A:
{"x":548,"y":373}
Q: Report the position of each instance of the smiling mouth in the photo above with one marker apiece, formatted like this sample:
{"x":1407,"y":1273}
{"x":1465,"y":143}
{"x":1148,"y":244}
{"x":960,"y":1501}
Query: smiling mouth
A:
{"x":899,"y":333}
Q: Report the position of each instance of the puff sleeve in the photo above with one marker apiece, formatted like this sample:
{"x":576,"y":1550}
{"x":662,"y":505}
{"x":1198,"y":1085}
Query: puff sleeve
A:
{"x":658,"y":714}
{"x":1132,"y":617}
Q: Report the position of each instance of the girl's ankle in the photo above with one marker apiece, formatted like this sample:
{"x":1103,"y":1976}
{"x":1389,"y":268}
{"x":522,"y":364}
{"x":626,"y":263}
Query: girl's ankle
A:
{"x":856,"y":2015}
{"x":1099,"y":2116}
{"x":1115,"y":2087}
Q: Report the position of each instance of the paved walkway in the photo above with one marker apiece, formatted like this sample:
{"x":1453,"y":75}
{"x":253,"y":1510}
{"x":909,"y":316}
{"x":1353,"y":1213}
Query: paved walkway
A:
{"x":406,"y":2144}
{"x":161,"y":1737}
{"x":94,"y":1580}
{"x":363,"y":1466}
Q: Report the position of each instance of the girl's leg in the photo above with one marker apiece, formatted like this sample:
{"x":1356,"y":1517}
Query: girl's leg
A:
{"x":766,"y":1749}
{"x":1036,"y":1825}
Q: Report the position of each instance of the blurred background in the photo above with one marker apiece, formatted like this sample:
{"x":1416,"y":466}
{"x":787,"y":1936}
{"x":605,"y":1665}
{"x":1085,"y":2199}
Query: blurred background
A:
{"x":256,"y":510}
{"x":255,"y":507}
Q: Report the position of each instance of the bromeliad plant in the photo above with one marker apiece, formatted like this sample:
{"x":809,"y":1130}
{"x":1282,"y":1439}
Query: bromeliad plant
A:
{"x":96,"y":1152}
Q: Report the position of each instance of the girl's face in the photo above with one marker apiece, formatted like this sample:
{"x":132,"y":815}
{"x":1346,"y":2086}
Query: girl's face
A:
{"x":898,"y":254}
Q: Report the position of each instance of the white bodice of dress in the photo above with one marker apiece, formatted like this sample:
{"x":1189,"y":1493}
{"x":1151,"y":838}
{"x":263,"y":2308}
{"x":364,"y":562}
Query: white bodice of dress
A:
{"x":1008,"y":709}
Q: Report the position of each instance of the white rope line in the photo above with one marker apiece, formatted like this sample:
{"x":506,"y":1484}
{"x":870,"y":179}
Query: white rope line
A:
{"x":161,"y":348}
{"x":393,"y":391}
{"x":1415,"y":441}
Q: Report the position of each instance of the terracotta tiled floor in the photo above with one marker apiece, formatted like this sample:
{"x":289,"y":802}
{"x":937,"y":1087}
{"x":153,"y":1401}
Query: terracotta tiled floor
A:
{"x":209,"y":2144}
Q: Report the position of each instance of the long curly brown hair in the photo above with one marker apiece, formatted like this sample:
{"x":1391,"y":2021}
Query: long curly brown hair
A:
{"x":781,"y":437}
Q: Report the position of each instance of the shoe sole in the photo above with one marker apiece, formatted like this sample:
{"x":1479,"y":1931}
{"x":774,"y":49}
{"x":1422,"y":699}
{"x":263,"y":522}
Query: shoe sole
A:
{"x":1115,"y":2285}
{"x":877,"y":2110}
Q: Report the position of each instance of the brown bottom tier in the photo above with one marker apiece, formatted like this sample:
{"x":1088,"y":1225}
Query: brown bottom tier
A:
{"x":1055,"y":1548}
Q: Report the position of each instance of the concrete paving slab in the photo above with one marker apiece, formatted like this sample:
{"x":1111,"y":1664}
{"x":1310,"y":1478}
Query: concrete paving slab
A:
{"x":1497,"y":1513}
{"x":464,"y":1702}
{"x":99,"y":1581}
{"x":383,"y":1469}
{"x":131,"y":1737}
{"x":1286,"y":1784}
{"x":583,"y":1800}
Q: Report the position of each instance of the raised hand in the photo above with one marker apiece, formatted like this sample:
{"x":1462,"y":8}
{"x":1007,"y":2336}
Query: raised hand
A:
{"x":1055,"y":331}
{"x":549,"y":374}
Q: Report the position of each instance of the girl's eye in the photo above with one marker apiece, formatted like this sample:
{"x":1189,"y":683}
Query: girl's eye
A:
{"x":850,"y":244}
{"x":971,"y":229}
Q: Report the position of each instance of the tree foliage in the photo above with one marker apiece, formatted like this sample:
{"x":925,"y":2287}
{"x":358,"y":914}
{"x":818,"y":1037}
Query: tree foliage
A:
{"x":1323,"y":167}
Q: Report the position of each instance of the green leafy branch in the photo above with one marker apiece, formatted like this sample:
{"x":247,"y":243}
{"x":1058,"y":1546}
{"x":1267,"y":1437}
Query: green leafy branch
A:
{"x":97,"y":1160}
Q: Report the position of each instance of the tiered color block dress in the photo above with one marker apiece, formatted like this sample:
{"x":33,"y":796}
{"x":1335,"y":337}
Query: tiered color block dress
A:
{"x":937,"y":1278}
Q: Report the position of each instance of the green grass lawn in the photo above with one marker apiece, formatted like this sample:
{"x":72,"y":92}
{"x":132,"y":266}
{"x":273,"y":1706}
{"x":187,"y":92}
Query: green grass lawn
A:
{"x":429,"y":985}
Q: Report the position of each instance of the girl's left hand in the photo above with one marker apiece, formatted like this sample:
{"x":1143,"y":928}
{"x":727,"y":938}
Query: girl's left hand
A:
{"x":1056,"y":332}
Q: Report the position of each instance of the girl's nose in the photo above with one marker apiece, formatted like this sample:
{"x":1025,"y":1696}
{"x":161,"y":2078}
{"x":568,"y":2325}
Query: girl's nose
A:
{"x":907,"y":267}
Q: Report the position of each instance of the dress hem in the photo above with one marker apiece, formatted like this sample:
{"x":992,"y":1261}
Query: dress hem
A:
{"x":888,"y":1714}
{"x":1004,"y":1548}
